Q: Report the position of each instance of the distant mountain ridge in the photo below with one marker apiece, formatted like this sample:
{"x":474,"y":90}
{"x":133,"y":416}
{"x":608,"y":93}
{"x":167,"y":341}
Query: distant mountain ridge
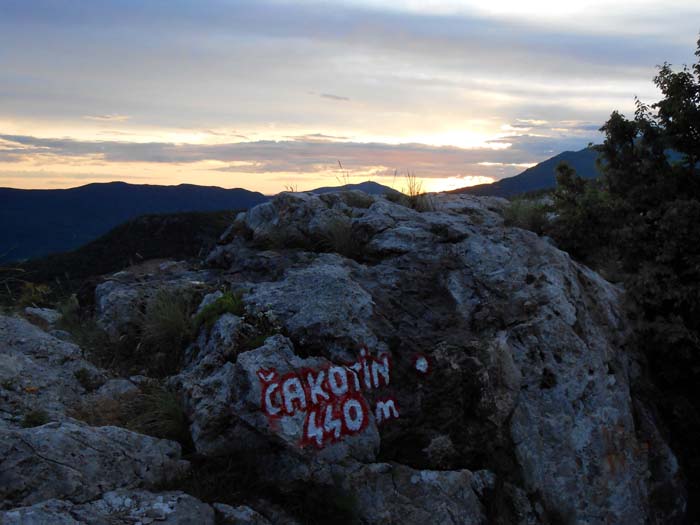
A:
{"x":40,"y":222}
{"x":540,"y":176}
{"x":370,"y":187}
{"x":36,"y":223}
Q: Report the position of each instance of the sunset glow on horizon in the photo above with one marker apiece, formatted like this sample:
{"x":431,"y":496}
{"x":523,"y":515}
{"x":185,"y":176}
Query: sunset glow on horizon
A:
{"x":270,"y":94}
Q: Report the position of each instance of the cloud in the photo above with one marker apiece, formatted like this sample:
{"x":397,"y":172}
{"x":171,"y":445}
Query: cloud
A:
{"x":309,"y":154}
{"x":253,"y":62}
{"x":334,"y":97}
{"x":108,"y":118}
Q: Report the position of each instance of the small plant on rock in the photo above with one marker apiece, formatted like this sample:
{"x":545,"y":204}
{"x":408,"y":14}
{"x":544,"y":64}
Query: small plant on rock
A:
{"x":153,"y":411}
{"x":35,"y":418}
{"x":69,"y":309}
{"x":412,"y":195}
{"x":85,"y":378}
{"x":417,"y":199}
{"x":229,"y":303}
{"x":265,"y":324}
{"x":338,"y":236}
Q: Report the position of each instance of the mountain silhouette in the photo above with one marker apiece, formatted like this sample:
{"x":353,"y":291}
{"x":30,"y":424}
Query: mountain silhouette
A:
{"x":540,"y":176}
{"x":40,"y":222}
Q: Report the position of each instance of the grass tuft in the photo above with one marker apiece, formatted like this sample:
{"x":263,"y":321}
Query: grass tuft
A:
{"x":339,"y":237}
{"x":229,"y":303}
{"x":84,"y":377}
{"x":35,"y":418}
{"x":153,"y":411}
{"x":166,"y":325}
{"x":157,"y":412}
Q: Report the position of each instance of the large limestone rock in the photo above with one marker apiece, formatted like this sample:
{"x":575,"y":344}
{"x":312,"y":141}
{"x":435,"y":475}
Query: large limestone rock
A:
{"x":433,"y":367}
{"x":506,"y":355}
{"x":78,"y":463}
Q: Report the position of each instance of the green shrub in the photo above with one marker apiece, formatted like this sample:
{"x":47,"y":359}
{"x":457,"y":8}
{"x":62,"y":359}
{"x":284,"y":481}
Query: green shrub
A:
{"x":35,"y":418}
{"x":229,"y":303}
{"x":527,"y":214}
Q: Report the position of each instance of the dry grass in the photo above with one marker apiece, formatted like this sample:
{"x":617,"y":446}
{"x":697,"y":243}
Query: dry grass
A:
{"x":166,"y":329}
{"x":416,"y":197}
{"x":34,"y":295}
{"x":338,"y":236}
{"x":344,"y":177}
{"x":157,"y":412}
{"x":153,"y":411}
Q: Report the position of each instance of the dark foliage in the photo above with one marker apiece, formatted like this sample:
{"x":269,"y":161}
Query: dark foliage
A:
{"x":176,"y":236}
{"x":643,"y":218}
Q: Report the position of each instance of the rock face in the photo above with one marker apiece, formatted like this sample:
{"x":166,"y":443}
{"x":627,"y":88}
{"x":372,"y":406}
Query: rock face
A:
{"x":120,"y":300}
{"x":39,"y":372}
{"x":116,"y":508}
{"x":506,"y":355}
{"x":78,"y":463}
{"x":412,"y":367}
{"x":385,"y":492}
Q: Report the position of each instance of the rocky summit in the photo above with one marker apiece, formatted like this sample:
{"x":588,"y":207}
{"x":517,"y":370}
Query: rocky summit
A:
{"x":351,"y":359}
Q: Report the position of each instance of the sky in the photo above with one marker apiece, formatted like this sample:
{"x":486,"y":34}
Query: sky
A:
{"x":274,"y":94}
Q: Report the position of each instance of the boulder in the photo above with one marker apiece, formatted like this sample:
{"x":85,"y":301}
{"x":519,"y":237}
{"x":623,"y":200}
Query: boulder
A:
{"x":78,"y":463}
{"x":506,"y":355}
{"x":334,"y":317}
{"x":385,"y":493}
{"x":119,"y":507}
{"x":40,"y":374}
